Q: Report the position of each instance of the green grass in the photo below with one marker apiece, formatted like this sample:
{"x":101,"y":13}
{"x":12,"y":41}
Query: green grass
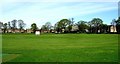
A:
{"x":60,"y":48}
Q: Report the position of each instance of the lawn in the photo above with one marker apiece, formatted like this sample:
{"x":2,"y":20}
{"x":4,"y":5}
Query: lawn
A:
{"x":60,"y":48}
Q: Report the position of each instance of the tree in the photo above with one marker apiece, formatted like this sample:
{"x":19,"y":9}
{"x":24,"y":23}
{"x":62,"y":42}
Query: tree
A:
{"x":13,"y":22}
{"x":5,"y":27}
{"x":48,"y":26}
{"x":70,"y":24}
{"x":113,"y":23}
{"x":34,"y":27}
{"x":96,"y":22}
{"x":9,"y":26}
{"x":56,"y":27}
{"x":72,"y":21}
{"x":63,"y":24}
{"x":103,"y":28}
{"x":21,"y":24}
{"x":69,"y":28}
{"x":1,"y":25}
{"x":90,"y":26}
{"x":118,"y":25}
{"x":43,"y":27}
{"x":82,"y":26}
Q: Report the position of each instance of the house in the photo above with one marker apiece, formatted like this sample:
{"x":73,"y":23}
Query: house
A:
{"x":52,"y":31}
{"x":9,"y":30}
{"x":29,"y":31}
{"x":113,"y":29}
{"x":74,"y":28}
{"x":22,"y":31}
{"x":37,"y":32}
{"x":63,"y":30}
{"x":16,"y":31}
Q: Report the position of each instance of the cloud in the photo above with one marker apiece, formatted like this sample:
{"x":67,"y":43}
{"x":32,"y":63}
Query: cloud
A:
{"x":52,"y":9}
{"x":42,"y":12}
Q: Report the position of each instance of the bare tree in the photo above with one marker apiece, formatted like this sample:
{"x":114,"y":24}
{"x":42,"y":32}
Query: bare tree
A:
{"x":113,"y":23}
{"x":48,"y":26}
{"x":21,"y":24}
{"x":13,"y":22}
{"x":1,"y":25}
{"x":5,"y":27}
{"x":9,"y":25}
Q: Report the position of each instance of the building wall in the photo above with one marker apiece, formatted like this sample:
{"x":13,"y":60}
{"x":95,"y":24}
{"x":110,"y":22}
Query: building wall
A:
{"x":113,"y":29}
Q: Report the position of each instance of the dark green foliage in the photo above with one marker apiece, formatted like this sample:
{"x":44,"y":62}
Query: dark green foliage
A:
{"x":95,"y":23}
{"x":118,"y":25}
{"x":63,"y":24}
{"x":34,"y":27}
{"x":82,"y":25}
{"x":103,"y":28}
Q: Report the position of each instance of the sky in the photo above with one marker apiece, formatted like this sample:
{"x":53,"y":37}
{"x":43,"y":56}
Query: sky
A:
{"x":40,"y":12}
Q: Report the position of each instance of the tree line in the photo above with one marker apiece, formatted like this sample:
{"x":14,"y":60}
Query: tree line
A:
{"x":12,"y":25}
{"x":96,"y":25}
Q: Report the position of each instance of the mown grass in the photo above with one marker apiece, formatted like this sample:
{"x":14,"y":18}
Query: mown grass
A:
{"x":60,"y":48}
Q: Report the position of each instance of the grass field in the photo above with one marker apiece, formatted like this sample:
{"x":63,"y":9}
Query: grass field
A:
{"x":60,"y":48}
